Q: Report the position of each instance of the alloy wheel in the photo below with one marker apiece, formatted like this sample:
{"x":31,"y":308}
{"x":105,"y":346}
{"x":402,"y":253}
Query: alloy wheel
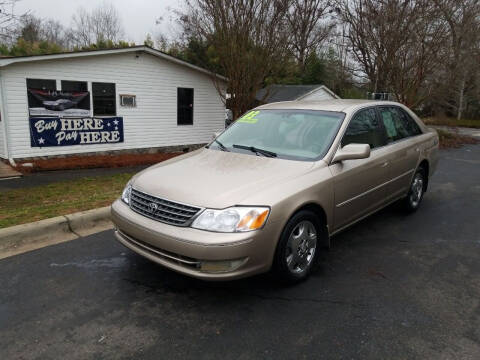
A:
{"x":416,"y":190}
{"x":301,"y":246}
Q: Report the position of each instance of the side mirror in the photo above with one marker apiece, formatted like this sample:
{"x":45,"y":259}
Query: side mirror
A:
{"x":352,"y":152}
{"x":216,"y":134}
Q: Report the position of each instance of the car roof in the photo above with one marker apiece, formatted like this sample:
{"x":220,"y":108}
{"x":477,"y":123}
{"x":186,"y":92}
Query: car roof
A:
{"x":340,"y":105}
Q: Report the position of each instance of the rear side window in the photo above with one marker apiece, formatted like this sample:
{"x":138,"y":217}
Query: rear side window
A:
{"x":365,"y":128}
{"x":412,"y":127}
{"x":398,"y":124}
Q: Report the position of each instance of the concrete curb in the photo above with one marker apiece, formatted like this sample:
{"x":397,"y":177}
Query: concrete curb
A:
{"x":26,"y":237}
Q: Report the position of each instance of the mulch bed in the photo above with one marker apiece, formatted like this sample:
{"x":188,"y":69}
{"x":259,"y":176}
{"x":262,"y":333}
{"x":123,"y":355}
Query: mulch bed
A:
{"x":454,"y":140}
{"x":93,"y":161}
{"x":458,"y":142}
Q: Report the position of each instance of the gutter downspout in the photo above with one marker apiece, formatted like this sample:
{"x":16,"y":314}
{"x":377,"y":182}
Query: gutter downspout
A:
{"x":6,"y":128}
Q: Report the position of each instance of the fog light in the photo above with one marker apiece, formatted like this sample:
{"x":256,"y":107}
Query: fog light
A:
{"x":221,"y":266}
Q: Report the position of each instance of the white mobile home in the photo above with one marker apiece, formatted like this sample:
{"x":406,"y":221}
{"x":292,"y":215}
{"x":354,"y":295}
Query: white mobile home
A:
{"x":105,"y":100}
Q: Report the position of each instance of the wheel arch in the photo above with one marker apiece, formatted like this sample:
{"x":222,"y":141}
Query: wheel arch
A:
{"x":318,"y":210}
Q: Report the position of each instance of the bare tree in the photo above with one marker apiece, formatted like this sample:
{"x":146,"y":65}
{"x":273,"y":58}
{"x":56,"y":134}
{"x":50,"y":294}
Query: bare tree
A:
{"x":30,"y":28}
{"x":249,"y":39}
{"x":395,"y":43}
{"x":339,"y":68}
{"x":54,"y":32}
{"x":161,"y":42}
{"x":462,"y":53}
{"x":8,"y":20}
{"x":308,"y":26}
{"x":34,"y":29}
{"x":101,"y":24}
{"x":423,"y":51}
{"x":81,"y":32}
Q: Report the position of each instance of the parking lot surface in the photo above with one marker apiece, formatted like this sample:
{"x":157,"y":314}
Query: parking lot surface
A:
{"x":394,"y":286}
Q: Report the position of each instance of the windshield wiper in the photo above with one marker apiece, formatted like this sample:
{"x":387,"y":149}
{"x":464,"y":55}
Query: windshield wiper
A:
{"x":256,"y":150}
{"x":221,"y":146}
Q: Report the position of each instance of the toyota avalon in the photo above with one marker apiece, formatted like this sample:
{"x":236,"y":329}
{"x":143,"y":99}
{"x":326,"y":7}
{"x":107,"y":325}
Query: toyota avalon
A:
{"x":271,"y":190}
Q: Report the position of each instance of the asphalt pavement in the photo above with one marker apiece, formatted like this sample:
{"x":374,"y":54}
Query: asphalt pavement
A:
{"x":394,"y":286}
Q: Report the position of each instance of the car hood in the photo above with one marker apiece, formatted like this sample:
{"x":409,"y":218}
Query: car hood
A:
{"x":216,"y":179}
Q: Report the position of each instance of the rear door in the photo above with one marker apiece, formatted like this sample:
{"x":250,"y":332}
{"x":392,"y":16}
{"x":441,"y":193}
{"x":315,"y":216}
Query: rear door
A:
{"x":403,"y":147}
{"x":359,"y":184}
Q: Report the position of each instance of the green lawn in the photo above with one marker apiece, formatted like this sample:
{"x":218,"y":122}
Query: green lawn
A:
{"x":41,"y":202}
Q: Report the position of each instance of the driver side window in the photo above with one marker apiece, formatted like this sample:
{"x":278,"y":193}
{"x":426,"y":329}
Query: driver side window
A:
{"x":365,"y":128}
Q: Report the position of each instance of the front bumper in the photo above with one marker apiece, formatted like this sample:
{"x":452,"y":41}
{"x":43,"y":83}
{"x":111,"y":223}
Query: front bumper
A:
{"x":184,"y":249}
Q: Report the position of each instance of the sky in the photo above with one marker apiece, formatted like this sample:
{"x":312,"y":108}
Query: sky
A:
{"x":138,"y":16}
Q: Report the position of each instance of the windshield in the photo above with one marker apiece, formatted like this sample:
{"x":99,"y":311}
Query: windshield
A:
{"x":289,"y":134}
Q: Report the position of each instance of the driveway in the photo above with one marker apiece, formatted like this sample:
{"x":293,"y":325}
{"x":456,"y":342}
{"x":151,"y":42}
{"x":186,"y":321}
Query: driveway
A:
{"x":392,"y":287}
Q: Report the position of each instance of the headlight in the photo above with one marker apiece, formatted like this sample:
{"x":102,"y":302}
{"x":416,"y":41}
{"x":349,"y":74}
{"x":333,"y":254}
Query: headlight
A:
{"x":126,"y":194}
{"x":234,"y":219}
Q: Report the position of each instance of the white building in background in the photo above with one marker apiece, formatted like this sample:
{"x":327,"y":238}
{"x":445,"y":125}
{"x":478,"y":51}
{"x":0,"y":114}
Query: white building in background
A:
{"x":105,"y":100}
{"x":275,"y":93}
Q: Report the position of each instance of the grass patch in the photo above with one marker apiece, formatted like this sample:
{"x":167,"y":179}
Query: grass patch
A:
{"x":450,"y":139}
{"x":25,"y":205}
{"x":444,"y":121}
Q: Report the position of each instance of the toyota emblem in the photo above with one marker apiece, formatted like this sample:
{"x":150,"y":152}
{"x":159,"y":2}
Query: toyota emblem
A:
{"x":153,"y":207}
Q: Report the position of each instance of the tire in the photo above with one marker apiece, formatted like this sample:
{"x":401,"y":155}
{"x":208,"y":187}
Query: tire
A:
{"x":417,"y":189}
{"x":298,"y":248}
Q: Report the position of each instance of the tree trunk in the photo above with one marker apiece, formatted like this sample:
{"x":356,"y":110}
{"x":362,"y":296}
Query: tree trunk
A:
{"x":461,"y":99}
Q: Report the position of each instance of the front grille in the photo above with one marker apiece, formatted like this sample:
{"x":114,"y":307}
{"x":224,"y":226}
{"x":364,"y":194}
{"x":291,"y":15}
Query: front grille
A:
{"x":162,"y":210}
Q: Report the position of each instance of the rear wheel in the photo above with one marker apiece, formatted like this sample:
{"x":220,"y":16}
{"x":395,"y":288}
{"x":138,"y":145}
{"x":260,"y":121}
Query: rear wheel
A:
{"x":298,"y":247}
{"x":415,"y":194}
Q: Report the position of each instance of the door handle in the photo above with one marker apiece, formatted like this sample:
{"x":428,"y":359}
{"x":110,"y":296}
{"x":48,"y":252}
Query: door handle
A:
{"x":384,"y":164}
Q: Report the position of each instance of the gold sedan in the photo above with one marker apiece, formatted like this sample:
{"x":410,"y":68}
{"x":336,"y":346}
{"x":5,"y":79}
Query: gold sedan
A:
{"x":274,"y":187}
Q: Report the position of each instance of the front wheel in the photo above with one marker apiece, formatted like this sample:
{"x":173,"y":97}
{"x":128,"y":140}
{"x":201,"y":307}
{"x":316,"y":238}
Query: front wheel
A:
{"x":297,"y":249}
{"x":415,"y":194}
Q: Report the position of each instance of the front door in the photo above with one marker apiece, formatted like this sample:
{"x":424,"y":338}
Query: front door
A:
{"x":360,"y":184}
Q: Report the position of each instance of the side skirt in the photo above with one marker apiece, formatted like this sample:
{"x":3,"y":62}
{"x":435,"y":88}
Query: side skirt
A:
{"x":367,"y":215}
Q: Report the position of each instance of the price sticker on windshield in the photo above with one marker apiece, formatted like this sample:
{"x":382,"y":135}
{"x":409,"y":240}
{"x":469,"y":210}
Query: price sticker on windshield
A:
{"x":250,"y":117}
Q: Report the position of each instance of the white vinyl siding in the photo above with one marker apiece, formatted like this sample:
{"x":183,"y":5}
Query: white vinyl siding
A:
{"x":3,"y":151}
{"x":2,"y":142}
{"x":154,"y":82}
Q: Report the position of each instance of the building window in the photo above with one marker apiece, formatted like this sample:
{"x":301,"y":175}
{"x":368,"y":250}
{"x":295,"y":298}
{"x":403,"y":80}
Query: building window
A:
{"x":77,"y":91}
{"x":42,"y":84}
{"x":103,"y":95}
{"x":74,"y":86}
{"x":184,"y":106}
